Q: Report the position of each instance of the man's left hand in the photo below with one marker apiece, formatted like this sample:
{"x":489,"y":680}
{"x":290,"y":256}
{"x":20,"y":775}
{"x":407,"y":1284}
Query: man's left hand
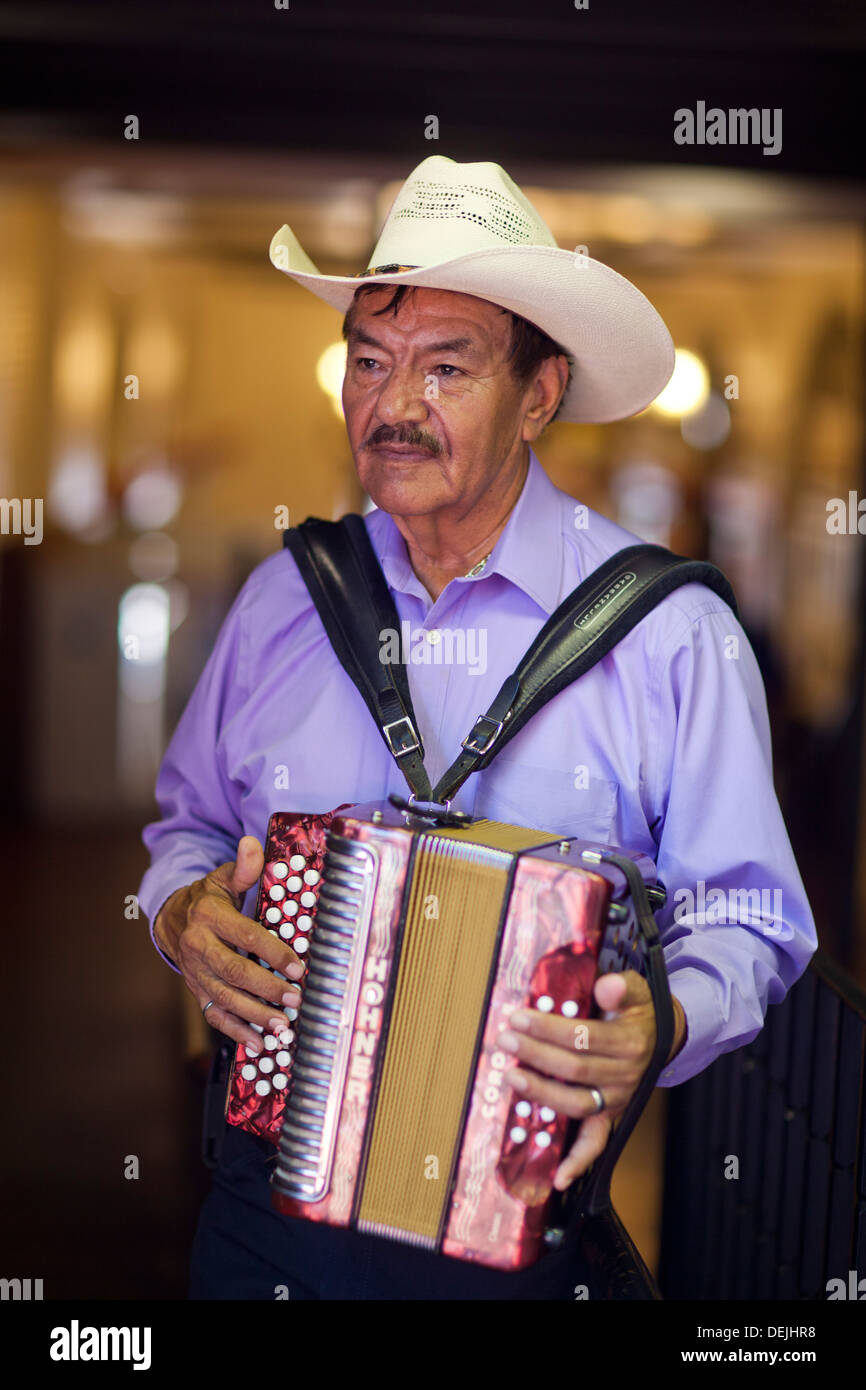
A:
{"x":610,"y":1053}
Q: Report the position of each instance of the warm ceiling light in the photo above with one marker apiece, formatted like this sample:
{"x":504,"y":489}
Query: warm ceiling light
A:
{"x":688,"y":387}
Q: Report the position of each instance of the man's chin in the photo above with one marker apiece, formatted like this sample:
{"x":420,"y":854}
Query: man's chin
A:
{"x":408,"y":487}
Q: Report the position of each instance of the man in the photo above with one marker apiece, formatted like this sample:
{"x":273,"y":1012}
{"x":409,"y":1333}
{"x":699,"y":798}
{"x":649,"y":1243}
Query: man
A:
{"x":468,"y":333}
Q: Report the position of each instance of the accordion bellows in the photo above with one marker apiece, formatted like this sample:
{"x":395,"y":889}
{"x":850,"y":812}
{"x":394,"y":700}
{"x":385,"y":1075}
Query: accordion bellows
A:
{"x":397,"y":1120}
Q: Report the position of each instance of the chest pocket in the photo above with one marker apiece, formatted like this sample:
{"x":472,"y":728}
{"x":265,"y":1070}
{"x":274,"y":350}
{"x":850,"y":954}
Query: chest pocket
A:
{"x":566,"y":800}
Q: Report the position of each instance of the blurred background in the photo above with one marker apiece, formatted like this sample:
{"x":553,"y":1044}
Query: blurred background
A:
{"x":173,"y":401}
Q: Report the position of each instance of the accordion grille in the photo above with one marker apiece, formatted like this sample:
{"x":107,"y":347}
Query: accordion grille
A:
{"x":455,"y":905}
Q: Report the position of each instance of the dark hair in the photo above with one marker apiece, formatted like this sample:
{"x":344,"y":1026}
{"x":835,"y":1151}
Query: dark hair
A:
{"x":529,"y":345}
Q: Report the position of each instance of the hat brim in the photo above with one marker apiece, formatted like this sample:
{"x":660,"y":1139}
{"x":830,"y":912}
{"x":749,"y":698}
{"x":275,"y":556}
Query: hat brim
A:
{"x":622,"y":350}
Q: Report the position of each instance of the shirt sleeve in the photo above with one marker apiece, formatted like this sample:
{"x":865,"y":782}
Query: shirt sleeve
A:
{"x":200,"y":822}
{"x":737,"y":929}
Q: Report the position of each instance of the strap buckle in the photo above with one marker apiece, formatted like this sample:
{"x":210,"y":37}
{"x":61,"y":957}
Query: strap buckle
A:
{"x":480,"y":740}
{"x":402,"y":742}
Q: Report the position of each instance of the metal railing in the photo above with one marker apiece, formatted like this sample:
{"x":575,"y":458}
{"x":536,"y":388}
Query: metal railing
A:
{"x":765,"y":1163}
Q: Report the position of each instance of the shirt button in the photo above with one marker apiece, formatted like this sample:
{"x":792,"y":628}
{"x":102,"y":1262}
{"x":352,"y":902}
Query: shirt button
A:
{"x":434,"y":636}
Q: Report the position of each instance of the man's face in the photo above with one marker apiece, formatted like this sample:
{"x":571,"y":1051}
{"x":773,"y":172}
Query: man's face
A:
{"x":433,"y":411}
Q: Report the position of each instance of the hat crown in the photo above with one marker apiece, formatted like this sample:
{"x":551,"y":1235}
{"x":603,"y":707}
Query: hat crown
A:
{"x":446,"y":209}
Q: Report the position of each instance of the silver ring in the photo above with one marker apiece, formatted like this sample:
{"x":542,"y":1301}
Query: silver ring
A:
{"x":598,"y":1098}
{"x":207,"y":1006}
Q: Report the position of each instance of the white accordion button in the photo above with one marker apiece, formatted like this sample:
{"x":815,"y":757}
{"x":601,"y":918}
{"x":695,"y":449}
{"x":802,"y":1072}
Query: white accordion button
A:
{"x":542,"y":1139}
{"x":544,"y":1004}
{"x":291,"y":1014}
{"x":570,"y":1008}
{"x":280,"y":1081}
{"x":518,"y":1134}
{"x":546,"y":1113}
{"x":266,"y":1065}
{"x":286,"y":1036}
{"x":294,"y":883}
{"x":263,"y":1088}
{"x":271,"y":1043}
{"x":250,"y":1053}
{"x":300,"y":945}
{"x":283,"y":1058}
{"x":279,"y":870}
{"x":286,"y":932}
{"x":311,"y":877}
{"x":524,"y":1109}
{"x":308,"y":900}
{"x":297,"y":862}
{"x":290,"y":907}
{"x":273,"y":915}
{"x":248,"y":1072}
{"x":304,"y":922}
{"x":277,"y":893}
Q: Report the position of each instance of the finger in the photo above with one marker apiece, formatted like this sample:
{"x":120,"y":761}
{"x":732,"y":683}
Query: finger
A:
{"x":617,"y":991}
{"x":248,"y":866}
{"x":248,"y":977}
{"x":265,"y":943}
{"x":238,"y":1016}
{"x":212,"y":923}
{"x":237,"y":876}
{"x":552,"y":1059}
{"x":618,"y":1038}
{"x":574,"y":1101}
{"x":587,"y":1147}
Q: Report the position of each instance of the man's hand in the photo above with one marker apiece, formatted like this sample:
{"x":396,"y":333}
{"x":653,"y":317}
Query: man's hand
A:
{"x":609,"y":1053}
{"x":201,"y":929}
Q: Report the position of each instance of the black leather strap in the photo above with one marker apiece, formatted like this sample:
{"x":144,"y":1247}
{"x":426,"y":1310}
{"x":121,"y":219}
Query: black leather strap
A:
{"x":341,"y":570}
{"x":585,"y":627}
{"x":593,"y":1194}
{"x":346,"y":583}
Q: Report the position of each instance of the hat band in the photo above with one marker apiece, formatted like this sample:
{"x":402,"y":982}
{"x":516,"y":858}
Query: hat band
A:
{"x":385,"y":270}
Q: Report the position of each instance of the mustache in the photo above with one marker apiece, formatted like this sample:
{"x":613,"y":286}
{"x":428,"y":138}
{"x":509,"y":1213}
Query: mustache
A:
{"x":411,"y":435}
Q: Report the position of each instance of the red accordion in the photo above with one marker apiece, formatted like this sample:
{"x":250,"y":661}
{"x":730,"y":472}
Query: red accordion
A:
{"x":385,"y":1094}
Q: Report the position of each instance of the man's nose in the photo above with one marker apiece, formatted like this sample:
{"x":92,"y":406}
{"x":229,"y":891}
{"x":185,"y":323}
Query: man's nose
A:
{"x":401,"y":396}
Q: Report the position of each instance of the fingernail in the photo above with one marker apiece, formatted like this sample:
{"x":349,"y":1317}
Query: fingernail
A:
{"x":254,"y":1047}
{"x":509,"y":1040}
{"x":519,"y":1019}
{"x":291,"y":999}
{"x":276,"y":1025}
{"x":517,"y":1080}
{"x":295,"y":972}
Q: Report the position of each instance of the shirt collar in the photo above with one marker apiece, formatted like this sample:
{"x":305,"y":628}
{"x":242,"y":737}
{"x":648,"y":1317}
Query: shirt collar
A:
{"x":529,"y":552}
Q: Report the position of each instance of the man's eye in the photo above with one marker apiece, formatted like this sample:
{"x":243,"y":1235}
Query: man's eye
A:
{"x":448,"y":368}
{"x":365,"y":362}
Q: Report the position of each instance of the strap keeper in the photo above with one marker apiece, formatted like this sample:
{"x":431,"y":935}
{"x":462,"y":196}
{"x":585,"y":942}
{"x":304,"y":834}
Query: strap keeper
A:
{"x":480,"y":740}
{"x":406,"y":741}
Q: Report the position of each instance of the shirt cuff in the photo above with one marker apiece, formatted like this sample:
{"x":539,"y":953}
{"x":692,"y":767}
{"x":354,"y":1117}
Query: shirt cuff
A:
{"x":703,"y":1024}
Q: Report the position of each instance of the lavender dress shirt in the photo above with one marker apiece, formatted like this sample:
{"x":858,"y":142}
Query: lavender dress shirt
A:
{"x":664,"y":747}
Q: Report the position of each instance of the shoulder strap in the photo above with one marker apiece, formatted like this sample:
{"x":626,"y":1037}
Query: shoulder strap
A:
{"x":342,"y":573}
{"x":346,"y":583}
{"x":584,"y":628}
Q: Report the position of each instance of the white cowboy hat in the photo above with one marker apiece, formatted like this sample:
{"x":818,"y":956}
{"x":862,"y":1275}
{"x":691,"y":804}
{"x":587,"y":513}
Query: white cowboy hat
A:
{"x":469,"y":228}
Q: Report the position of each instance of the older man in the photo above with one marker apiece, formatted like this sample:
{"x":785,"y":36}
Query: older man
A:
{"x":663,"y":747}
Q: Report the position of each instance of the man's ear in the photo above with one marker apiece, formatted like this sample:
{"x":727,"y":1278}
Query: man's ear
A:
{"x":546,"y":394}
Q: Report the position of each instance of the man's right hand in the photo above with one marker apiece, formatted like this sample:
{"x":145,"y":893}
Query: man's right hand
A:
{"x":198,"y":927}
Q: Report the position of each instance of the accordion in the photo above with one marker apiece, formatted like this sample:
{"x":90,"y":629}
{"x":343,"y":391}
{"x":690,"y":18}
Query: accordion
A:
{"x":385,"y":1093}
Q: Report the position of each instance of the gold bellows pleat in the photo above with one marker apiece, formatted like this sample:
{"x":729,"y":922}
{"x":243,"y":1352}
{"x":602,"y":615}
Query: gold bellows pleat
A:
{"x":455,"y":905}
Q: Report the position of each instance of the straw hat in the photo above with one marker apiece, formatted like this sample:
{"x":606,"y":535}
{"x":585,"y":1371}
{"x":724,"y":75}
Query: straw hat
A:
{"x":469,"y":228}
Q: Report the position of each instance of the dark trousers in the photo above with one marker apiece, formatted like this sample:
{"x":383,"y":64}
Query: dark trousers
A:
{"x":243,"y":1249}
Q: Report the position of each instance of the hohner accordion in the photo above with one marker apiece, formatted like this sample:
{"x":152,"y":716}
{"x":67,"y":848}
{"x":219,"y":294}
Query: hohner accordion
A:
{"x":385,"y":1093}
